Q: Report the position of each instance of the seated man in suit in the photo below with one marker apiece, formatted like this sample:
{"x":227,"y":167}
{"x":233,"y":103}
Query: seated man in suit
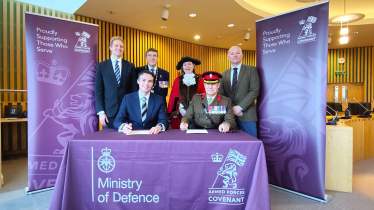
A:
{"x":142,"y":109}
{"x":210,"y":110}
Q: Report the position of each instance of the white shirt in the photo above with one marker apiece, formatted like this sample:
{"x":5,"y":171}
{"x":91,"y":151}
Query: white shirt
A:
{"x":114,"y":65}
{"x":238,"y":71}
{"x":154,"y":69}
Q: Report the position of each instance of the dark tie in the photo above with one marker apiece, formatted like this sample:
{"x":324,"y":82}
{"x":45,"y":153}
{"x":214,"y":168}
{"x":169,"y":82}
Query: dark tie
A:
{"x":153,"y":72}
{"x":234,"y":84}
{"x":144,"y":109}
{"x":117,"y":73}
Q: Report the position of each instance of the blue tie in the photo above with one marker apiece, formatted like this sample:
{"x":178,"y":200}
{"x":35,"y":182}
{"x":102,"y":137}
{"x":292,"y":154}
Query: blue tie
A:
{"x":117,"y":73}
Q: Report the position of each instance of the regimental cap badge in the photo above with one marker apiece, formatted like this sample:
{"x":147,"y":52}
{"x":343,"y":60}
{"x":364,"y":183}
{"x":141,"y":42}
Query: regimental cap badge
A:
{"x":106,"y":162}
{"x":51,"y":73}
{"x":217,"y":158}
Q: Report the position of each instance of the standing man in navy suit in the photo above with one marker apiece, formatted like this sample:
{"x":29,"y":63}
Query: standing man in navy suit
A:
{"x":161,"y":81}
{"x":114,"y":78}
{"x":142,"y":109}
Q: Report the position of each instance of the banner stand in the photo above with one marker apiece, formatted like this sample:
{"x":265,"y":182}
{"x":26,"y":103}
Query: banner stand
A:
{"x":327,"y":199}
{"x":27,"y":192}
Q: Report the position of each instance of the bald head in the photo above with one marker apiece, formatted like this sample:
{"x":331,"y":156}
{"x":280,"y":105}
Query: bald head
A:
{"x":235,"y":55}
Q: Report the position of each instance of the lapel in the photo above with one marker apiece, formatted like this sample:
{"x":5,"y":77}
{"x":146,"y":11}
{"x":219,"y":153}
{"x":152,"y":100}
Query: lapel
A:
{"x":228,"y":79}
{"x":242,"y":69}
{"x":123,"y":71}
{"x":136,"y":103}
{"x":150,"y":106}
{"x":109,"y":66}
{"x":214,"y":102}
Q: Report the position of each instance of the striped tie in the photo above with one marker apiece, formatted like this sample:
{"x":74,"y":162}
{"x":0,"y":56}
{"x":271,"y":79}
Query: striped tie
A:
{"x":144,"y":109}
{"x":234,"y":84}
{"x":117,"y":73}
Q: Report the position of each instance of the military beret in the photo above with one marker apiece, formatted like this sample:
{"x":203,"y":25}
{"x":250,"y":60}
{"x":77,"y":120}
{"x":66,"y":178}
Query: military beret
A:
{"x":185,"y":59}
{"x":211,"y":76}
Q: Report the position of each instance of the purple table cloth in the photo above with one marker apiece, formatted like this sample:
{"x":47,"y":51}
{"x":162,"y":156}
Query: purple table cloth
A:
{"x":171,"y":170}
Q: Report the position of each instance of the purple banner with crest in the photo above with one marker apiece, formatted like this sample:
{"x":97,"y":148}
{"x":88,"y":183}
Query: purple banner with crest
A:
{"x":61,"y":63}
{"x":292,"y":64}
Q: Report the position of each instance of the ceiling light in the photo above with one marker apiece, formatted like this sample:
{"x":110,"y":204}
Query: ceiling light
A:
{"x":192,"y":15}
{"x":163,"y":27}
{"x":349,"y":18}
{"x":344,"y":31}
{"x":230,"y":25}
{"x":240,"y":44}
{"x":344,"y":40}
{"x":197,"y":37}
{"x":247,"y":35}
{"x":356,"y":32}
{"x":111,"y":12}
{"x":165,"y":13}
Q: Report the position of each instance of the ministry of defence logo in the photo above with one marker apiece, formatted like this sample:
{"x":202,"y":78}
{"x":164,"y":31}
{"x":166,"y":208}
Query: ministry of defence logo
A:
{"x":106,"y":163}
{"x":81,"y":45}
{"x":225,"y":189}
{"x":306,"y":34}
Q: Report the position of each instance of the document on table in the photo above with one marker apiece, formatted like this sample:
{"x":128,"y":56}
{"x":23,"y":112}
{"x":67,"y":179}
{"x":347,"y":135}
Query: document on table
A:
{"x":197,"y":131}
{"x":138,"y":132}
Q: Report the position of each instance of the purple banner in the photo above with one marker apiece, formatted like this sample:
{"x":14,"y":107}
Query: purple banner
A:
{"x":292,"y":64}
{"x":61,"y":62}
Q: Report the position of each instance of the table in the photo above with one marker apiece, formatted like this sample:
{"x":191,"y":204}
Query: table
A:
{"x":4,"y":120}
{"x":170,"y":170}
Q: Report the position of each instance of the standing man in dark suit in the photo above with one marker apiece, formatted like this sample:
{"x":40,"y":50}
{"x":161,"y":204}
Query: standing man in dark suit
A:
{"x":161,"y":81}
{"x":114,"y":78}
{"x":142,"y":109}
{"x":241,"y":84}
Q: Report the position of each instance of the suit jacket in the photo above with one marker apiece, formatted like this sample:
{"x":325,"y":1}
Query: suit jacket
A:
{"x":162,"y":76}
{"x":130,"y":112}
{"x":195,"y":112}
{"x":108,"y":95}
{"x":248,"y":88}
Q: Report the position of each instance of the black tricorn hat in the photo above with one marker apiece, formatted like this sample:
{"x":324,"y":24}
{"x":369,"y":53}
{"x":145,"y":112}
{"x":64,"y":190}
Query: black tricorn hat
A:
{"x":185,"y":59}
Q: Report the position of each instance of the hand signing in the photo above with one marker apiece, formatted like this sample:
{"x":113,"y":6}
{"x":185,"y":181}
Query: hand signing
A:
{"x":183,"y":126}
{"x":127,"y":128}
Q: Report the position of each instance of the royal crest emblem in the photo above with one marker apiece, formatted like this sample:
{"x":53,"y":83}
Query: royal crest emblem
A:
{"x":217,"y":158}
{"x":306,"y":34}
{"x":106,"y":162}
{"x":81,"y":45}
{"x":51,"y":73}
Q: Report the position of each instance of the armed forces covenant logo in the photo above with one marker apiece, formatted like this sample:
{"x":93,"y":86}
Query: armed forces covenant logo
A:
{"x":306,"y":34}
{"x":81,"y":45}
{"x":225,"y":189}
{"x":106,"y":163}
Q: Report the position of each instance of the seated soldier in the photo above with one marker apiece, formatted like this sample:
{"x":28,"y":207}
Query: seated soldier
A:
{"x":210,"y":110}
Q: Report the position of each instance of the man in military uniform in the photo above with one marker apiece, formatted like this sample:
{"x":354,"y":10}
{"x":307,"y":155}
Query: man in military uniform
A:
{"x":210,"y":110}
